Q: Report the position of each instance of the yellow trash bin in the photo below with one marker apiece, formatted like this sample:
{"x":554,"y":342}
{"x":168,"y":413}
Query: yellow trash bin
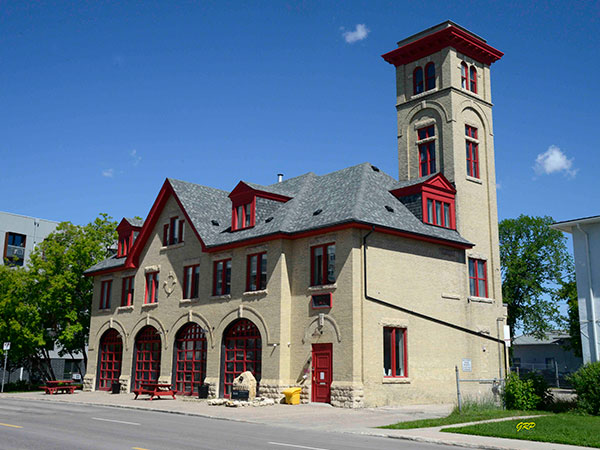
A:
{"x":292,"y":395}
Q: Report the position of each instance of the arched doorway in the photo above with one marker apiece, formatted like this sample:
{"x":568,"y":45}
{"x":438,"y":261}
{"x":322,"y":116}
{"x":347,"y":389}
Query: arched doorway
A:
{"x":190,"y":359}
{"x":147,"y":356}
{"x":111,"y":354}
{"x":243,"y":351}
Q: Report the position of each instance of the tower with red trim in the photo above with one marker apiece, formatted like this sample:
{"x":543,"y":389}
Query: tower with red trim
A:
{"x":444,"y":108}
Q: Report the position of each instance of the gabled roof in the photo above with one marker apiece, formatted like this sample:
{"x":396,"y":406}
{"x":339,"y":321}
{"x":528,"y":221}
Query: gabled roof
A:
{"x":134,"y":222}
{"x":356,"y":195}
{"x":556,"y":337}
{"x":434,"y":182}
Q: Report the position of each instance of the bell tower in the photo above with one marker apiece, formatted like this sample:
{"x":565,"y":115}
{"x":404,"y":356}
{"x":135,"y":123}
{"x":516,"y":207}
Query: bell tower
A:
{"x":444,"y":108}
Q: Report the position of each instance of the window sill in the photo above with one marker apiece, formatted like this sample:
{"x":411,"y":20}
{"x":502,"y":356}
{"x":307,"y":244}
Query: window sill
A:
{"x":474,"y":180}
{"x":396,"y":380}
{"x":322,"y":287}
{"x":451,"y":296}
{"x":255,"y":293}
{"x":423,"y":94}
{"x":125,"y":308}
{"x":164,"y":248}
{"x":149,"y":305}
{"x":221,"y":297}
{"x":474,"y":299}
{"x":104,"y":310}
{"x":186,"y":301}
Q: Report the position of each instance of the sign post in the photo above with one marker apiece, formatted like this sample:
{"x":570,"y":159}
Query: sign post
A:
{"x":6,"y":348}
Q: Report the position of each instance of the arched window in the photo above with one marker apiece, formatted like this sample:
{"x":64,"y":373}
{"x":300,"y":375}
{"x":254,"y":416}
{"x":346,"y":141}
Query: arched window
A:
{"x":426,"y":145}
{"x":473,"y":80}
{"x":418,"y":80}
{"x":147,"y":357}
{"x":190,"y":370}
{"x":111,"y":353}
{"x":429,"y":76}
{"x":464,"y":75}
{"x":243,"y":349}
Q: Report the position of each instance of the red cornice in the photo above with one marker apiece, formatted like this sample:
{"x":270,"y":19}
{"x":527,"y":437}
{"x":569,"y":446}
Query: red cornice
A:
{"x":451,"y":36}
{"x":243,"y":190}
{"x":438,"y":183}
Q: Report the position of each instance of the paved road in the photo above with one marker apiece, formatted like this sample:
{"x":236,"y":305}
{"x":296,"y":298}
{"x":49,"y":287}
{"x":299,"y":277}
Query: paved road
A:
{"x":48,"y":426}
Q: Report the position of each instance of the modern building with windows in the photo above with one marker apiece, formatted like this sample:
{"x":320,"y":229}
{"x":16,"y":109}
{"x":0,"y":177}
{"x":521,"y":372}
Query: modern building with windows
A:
{"x":364,"y":289}
{"x":19,"y":235}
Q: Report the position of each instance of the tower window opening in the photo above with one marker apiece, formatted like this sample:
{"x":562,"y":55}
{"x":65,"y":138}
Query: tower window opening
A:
{"x":418,"y":81}
{"x":426,"y":146}
{"x":430,"y":76}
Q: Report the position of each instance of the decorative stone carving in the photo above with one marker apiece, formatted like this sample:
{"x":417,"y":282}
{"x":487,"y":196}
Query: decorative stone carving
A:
{"x":170,"y":283}
{"x":245,"y":382}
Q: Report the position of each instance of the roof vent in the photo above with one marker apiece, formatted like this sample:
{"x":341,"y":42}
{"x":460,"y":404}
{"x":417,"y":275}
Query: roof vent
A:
{"x":215,"y":223}
{"x":317,"y":212}
{"x":375,"y":168}
{"x":268,"y":219}
{"x":279,"y":177}
{"x":389,"y":208}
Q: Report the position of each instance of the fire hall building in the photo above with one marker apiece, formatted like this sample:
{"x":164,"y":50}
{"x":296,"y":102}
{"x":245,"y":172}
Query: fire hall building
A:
{"x":363,"y":289}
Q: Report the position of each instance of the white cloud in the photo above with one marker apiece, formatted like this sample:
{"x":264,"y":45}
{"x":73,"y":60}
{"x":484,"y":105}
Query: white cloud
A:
{"x":359,"y":33}
{"x":136,"y":158}
{"x":553,"y":161}
{"x":108,"y":173}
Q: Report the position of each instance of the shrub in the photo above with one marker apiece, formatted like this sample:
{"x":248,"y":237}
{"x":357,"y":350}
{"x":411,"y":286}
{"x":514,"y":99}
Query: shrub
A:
{"x":527,"y":393}
{"x":586,"y":382}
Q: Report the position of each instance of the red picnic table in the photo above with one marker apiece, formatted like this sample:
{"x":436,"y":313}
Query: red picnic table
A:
{"x":154,"y":390}
{"x":59,"y":386}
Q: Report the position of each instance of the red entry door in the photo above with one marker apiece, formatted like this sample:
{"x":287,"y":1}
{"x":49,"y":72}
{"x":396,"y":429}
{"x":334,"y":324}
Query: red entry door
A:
{"x":321,"y":373}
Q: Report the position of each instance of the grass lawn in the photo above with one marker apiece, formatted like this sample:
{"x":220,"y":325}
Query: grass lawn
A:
{"x":471,"y":413}
{"x":570,"y":429}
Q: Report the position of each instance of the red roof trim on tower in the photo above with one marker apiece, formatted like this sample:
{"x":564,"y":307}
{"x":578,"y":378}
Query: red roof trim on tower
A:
{"x":451,"y":36}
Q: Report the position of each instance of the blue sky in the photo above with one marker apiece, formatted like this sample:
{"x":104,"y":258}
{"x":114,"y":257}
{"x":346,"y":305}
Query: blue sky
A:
{"x":101,"y":101}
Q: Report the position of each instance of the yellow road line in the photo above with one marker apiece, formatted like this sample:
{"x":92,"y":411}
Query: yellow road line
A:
{"x":9,"y":425}
{"x":139,"y":448}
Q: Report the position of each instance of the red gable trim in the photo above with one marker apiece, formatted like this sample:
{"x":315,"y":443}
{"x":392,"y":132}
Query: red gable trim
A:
{"x":165,"y":192}
{"x":242,"y":190}
{"x":437,"y":183}
{"x":451,"y":36}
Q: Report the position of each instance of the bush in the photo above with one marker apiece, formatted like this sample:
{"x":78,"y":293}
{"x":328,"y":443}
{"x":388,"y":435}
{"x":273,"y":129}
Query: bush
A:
{"x":527,"y":393}
{"x":586,"y":382}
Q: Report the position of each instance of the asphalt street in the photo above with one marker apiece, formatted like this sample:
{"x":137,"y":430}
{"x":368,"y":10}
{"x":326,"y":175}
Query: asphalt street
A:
{"x":47,"y":426}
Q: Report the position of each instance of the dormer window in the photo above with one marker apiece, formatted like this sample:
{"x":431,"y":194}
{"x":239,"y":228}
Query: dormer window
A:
{"x":243,"y":204}
{"x":243,"y":216}
{"x":128,"y":231}
{"x":173,"y":232}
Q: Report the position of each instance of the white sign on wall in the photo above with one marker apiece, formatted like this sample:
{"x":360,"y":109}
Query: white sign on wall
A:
{"x":6,"y":346}
{"x":466,"y":365}
{"x":507,"y":335}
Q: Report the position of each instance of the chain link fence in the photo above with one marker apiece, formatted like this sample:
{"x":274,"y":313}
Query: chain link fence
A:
{"x":555,"y":375}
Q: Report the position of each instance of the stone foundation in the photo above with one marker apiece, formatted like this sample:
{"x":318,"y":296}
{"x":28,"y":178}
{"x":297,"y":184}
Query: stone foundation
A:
{"x":124,"y":382}
{"x":89,"y":382}
{"x":272,"y":389}
{"x":347,"y":395}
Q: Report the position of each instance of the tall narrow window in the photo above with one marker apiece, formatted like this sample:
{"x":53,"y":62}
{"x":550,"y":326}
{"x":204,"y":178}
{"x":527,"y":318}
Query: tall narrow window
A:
{"x":191,"y":278}
{"x":173,"y":231}
{"x":256,"y":278}
{"x":418,"y":80}
{"x":322,"y":263}
{"x":426,"y":144}
{"x":242,"y":216}
{"x":464,"y":76}
{"x":127,"y":291}
{"x":429,"y":76}
{"x":472,"y":151}
{"x":394,"y":352}
{"x":473,"y":79}
{"x":105,"y":289}
{"x":151,"y":287}
{"x":222,"y":277}
{"x":478,"y":277}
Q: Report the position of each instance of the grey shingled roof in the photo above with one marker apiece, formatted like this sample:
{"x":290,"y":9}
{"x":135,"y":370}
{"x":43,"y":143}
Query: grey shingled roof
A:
{"x":354,"y":194}
{"x":552,"y":337}
{"x":135,"y":222}
{"x":109,"y":263}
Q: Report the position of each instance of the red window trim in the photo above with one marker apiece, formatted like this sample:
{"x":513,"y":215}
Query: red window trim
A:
{"x":472,"y":152}
{"x":476,"y":276}
{"x":259,"y":262}
{"x":312,"y":264}
{"x":428,"y":87}
{"x":464,"y":75}
{"x":473,"y":79}
{"x":153,"y":297}
{"x":427,"y":147}
{"x":234,"y":214}
{"x":312,"y":304}
{"x":418,"y":68}
{"x":393,"y":352}
{"x":430,"y":194}
{"x":127,"y":291}
{"x":105,"y":291}
{"x":194,"y":284}
{"x":223,"y":280}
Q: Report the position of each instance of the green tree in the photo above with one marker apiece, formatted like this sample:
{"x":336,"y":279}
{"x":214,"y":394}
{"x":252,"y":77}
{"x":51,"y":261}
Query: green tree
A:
{"x":567,"y":293}
{"x":58,"y":288}
{"x":534,"y":260}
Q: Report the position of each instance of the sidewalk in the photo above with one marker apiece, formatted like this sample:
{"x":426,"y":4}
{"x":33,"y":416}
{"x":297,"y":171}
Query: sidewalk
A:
{"x":311,"y":416}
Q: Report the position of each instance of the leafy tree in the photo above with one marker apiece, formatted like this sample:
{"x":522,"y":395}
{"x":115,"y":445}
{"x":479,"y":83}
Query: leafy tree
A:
{"x":534,"y":260}
{"x":567,"y":293}
{"x":57,"y":287}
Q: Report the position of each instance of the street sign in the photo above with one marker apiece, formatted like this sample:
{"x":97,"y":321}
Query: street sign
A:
{"x":6,"y":346}
{"x":507,"y":335}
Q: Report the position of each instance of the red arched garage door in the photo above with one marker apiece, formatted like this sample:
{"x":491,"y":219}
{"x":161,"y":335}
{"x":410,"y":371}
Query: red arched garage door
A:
{"x":243,"y":350}
{"x":147,"y":356}
{"x":111,"y":353}
{"x":190,"y":359}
